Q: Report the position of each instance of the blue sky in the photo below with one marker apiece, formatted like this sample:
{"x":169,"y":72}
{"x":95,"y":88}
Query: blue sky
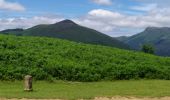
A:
{"x":67,"y":8}
{"x":112,"y":17}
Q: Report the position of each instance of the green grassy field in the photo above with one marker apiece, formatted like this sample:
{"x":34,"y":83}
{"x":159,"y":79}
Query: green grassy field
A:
{"x":86,"y":90}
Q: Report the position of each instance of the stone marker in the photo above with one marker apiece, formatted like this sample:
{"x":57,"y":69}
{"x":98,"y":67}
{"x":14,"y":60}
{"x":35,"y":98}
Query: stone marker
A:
{"x":28,"y":83}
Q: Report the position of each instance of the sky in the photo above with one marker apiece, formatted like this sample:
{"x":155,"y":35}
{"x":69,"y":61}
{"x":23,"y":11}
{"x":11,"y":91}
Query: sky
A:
{"x":111,"y":17}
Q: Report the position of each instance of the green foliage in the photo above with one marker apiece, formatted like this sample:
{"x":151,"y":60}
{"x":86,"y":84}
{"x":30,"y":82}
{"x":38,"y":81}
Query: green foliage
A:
{"x":147,"y":48}
{"x":49,"y":59}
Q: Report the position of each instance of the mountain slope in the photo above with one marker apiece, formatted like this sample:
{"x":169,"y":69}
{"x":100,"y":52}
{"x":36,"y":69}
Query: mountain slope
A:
{"x":69,"y":30}
{"x":122,"y":38}
{"x":46,"y":58}
{"x":12,"y":31}
{"x":158,"y":37}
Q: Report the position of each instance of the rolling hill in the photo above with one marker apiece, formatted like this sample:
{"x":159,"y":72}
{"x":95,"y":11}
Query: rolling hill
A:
{"x":69,"y":30}
{"x":47,"y":58}
{"x":158,"y":37}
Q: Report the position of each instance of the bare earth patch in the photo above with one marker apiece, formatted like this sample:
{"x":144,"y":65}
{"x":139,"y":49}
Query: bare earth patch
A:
{"x":104,"y":98}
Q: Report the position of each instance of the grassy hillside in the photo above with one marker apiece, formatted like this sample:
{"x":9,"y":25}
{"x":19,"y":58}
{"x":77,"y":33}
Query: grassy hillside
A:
{"x":158,"y":37}
{"x":69,"y":30}
{"x":47,"y":58}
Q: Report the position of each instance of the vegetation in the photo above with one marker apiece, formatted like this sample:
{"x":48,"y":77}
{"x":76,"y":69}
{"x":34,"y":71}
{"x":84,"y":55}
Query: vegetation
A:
{"x":78,"y":90}
{"x":69,"y":30}
{"x":158,"y":37}
{"x":147,"y":48}
{"x":47,"y":59}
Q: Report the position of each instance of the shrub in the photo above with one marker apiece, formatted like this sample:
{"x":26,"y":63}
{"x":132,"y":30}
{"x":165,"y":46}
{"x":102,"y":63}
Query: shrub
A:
{"x":49,"y":59}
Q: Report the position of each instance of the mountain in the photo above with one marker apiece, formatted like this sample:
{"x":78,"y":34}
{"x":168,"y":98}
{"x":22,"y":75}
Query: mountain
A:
{"x":69,"y":30}
{"x":122,"y":38}
{"x":48,"y":58}
{"x":159,"y":37}
{"x":12,"y":31}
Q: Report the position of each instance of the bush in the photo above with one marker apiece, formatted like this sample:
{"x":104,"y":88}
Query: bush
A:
{"x":147,"y":48}
{"x":49,"y":59}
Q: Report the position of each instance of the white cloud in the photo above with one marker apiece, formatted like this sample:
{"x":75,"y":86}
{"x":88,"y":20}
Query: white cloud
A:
{"x":103,"y":2}
{"x":145,"y":7}
{"x":104,"y":13}
{"x":162,"y":3}
{"x":22,"y":22}
{"x":11,"y":6}
{"x":116,"y":24}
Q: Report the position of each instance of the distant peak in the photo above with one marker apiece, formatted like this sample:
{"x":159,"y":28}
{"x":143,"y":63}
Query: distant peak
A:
{"x":151,"y":28}
{"x":156,"y":28}
{"x":67,"y":21}
{"x":9,"y":30}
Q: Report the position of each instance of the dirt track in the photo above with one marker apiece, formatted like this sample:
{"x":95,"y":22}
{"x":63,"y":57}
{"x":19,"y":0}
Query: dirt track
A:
{"x":105,"y":98}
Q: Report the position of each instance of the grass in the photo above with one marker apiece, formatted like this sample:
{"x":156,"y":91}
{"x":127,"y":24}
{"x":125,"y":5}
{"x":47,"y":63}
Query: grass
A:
{"x":86,"y":90}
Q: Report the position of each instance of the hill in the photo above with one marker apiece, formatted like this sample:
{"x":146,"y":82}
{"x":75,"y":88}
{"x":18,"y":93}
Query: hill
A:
{"x":48,"y":58}
{"x":158,"y":37}
{"x":12,"y":30}
{"x":69,"y":30}
{"x":122,"y":38}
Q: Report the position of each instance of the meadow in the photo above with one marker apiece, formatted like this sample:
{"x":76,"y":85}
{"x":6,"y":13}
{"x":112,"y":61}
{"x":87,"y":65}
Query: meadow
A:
{"x":86,"y":90}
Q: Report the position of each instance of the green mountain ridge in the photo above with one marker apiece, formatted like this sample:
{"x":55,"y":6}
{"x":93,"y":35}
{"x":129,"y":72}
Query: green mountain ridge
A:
{"x":159,"y":37}
{"x":12,"y":30}
{"x":69,"y":30}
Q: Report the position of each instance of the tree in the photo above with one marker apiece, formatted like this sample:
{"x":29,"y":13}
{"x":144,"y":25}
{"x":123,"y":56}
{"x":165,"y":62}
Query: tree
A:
{"x":147,"y":48}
